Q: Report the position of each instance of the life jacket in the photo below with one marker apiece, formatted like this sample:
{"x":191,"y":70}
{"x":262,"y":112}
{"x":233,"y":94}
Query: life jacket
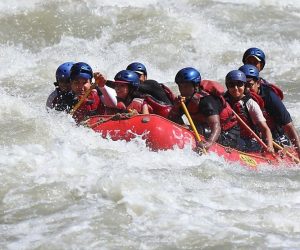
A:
{"x":212,"y":87}
{"x":136,"y":104}
{"x":241,"y":110}
{"x":168,"y":92}
{"x":158,"y":107}
{"x":257,"y":98}
{"x":63,"y":101}
{"x":273,"y":87}
{"x":92,"y":105}
{"x":227,"y":118}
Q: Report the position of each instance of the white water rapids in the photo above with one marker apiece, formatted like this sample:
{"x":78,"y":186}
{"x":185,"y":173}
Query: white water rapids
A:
{"x":64,"y":187}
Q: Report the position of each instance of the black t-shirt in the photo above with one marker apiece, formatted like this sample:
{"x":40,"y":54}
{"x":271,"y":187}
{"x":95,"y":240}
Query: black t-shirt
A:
{"x":148,"y":87}
{"x":153,"y":88}
{"x":210,"y":105}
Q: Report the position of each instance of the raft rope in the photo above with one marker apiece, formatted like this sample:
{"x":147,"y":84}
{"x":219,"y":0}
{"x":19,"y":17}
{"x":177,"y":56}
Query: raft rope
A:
{"x":116,"y":117}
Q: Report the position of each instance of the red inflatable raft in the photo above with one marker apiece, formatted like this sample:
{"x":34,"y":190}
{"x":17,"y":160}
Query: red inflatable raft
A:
{"x":162,"y":134}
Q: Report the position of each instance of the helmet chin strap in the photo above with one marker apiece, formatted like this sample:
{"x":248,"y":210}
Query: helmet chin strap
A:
{"x":188,"y":99}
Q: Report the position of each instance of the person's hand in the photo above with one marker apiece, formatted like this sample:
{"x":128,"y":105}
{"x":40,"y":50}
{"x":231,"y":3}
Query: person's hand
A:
{"x":178,"y":100}
{"x":270,"y":149}
{"x":100,"y":79}
{"x":204,"y":144}
{"x":208,"y":144}
{"x":181,"y":98}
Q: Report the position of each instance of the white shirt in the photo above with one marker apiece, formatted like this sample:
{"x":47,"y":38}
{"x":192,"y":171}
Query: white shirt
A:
{"x":255,"y":112}
{"x":108,"y":98}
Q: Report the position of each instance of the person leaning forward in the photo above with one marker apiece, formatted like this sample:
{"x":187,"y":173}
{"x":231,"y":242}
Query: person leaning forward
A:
{"x":213,"y":118}
{"x":281,"y":125}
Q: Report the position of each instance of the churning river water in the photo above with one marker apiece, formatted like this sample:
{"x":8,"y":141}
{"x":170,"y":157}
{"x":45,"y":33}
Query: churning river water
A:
{"x":64,"y":187}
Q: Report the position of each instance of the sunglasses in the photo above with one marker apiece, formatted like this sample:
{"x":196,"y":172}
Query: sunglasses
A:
{"x":239,"y":84}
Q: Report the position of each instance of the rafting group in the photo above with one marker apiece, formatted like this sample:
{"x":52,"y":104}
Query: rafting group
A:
{"x":246,"y":116}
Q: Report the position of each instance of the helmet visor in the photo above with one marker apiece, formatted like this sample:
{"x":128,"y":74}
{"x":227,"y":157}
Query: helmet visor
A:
{"x":253,"y":56}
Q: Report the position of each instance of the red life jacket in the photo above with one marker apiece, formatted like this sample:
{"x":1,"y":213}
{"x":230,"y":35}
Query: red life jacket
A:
{"x":257,"y":98}
{"x":274,"y":87}
{"x":136,"y":104}
{"x":158,"y":108}
{"x":90,"y":106}
{"x":227,"y":118}
{"x":243,"y":113}
{"x":212,"y":87}
{"x":168,"y":92}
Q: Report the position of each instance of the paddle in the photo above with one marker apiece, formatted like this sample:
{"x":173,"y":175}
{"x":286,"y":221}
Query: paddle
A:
{"x":250,"y":130}
{"x":87,"y":93}
{"x":186,"y":112}
{"x":295,"y":159}
{"x":261,"y":142}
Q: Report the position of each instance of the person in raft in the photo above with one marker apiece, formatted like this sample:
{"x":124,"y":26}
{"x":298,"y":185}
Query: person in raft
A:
{"x":159,"y":91}
{"x":81,"y":76}
{"x":125,"y":84}
{"x":157,"y":95}
{"x":212,"y":116}
{"x":276,"y":114}
{"x":249,"y":111}
{"x":62,"y":95}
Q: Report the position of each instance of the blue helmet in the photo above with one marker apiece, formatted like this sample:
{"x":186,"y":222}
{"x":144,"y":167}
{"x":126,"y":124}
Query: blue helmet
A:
{"x":137,"y":67}
{"x":258,"y":53}
{"x":129,"y":77}
{"x":250,"y":71}
{"x":81,"y":70}
{"x":188,"y":75}
{"x":235,"y":76}
{"x":63,"y":72}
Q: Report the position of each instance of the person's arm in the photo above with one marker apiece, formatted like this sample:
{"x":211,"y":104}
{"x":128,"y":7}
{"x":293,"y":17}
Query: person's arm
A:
{"x":176,"y":114}
{"x":266,"y":132}
{"x":259,"y":120}
{"x":108,"y":97}
{"x":291,"y":132}
{"x":145,"y":109}
{"x":213,"y":122}
{"x":210,"y":107}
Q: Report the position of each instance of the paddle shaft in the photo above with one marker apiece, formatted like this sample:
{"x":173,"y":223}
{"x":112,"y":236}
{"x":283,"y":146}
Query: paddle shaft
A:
{"x":250,"y":130}
{"x":87,"y":93}
{"x":186,"y":112}
{"x":288,"y":153}
{"x":261,"y":142}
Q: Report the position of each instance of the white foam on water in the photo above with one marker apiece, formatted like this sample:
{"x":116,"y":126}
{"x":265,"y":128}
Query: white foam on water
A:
{"x":274,"y":3}
{"x":64,"y":186}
